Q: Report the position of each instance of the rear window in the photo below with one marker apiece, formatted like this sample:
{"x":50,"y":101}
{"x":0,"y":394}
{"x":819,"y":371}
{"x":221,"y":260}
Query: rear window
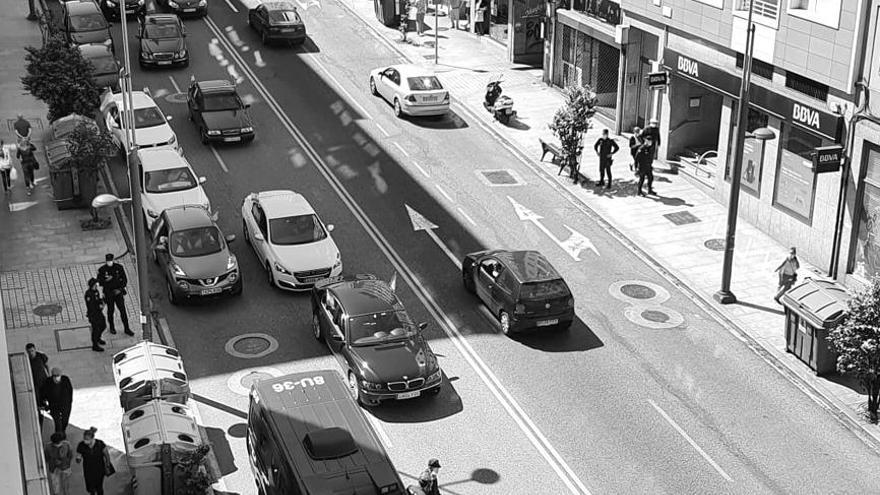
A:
{"x":283,"y":17}
{"x":426,"y":83}
{"x":543,"y":290}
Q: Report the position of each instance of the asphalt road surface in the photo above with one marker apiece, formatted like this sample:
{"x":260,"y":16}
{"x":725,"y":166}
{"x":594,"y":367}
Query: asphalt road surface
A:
{"x":646,"y":393}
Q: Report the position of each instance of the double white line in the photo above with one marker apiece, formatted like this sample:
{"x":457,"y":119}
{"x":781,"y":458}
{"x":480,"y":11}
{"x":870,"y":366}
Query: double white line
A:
{"x":540,"y":442}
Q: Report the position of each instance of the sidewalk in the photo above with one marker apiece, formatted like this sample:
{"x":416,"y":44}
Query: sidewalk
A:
{"x":45,"y":261}
{"x":679,"y":231}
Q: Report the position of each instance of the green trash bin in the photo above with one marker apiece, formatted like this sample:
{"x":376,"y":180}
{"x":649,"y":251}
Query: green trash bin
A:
{"x":812,"y":309}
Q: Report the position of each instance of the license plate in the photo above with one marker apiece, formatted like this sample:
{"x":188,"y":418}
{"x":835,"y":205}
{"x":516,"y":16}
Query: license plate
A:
{"x":430,"y":98}
{"x":208,"y":292}
{"x":309,"y":280}
{"x":547,"y":323}
{"x":189,"y":10}
{"x":129,"y":11}
{"x":164,"y":62}
{"x":408,"y":395}
{"x":232,"y":139}
{"x":288,"y":30}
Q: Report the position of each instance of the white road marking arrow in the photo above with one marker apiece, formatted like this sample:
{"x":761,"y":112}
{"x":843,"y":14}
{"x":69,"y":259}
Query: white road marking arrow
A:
{"x":576,"y":241}
{"x":21,"y":206}
{"x":419,"y":222}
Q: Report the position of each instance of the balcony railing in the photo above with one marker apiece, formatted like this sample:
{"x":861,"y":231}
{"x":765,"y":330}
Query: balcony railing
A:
{"x":768,"y":9}
{"x":605,"y":10}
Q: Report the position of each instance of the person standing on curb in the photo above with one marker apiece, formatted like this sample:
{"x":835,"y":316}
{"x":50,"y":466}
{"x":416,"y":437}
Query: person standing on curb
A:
{"x":95,"y":313}
{"x":634,"y":142}
{"x":29,"y":164}
{"x":5,"y":168}
{"x":113,"y":280}
{"x":59,"y":455}
{"x":454,"y":13}
{"x":645,"y":164}
{"x":421,"y":10}
{"x":22,"y":130}
{"x":605,"y":147}
{"x":40,"y":374}
{"x":58,"y":392}
{"x":653,"y":132}
{"x":95,"y":458}
{"x":787,"y":273}
{"x":428,"y":479}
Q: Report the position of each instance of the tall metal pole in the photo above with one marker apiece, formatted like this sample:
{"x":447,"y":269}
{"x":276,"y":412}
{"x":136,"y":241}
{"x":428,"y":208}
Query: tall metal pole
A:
{"x":134,"y":182}
{"x":436,"y":34}
{"x":724,"y":295}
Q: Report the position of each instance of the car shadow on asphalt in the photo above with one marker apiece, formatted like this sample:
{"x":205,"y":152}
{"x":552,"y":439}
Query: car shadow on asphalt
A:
{"x":577,"y":338}
{"x":449,"y":120}
{"x":422,"y":409}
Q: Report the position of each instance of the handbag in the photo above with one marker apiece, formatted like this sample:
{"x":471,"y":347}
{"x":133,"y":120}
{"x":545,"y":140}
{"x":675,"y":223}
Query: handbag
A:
{"x":13,"y":174}
{"x":109,"y":470}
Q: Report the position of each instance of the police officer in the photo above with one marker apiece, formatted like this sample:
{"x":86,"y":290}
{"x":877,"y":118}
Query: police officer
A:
{"x":112,"y":278}
{"x":95,"y":313}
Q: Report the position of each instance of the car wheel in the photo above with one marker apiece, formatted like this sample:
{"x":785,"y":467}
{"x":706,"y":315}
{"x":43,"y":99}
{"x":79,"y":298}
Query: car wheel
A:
{"x":504,"y":319}
{"x":172,"y":297}
{"x":245,"y":233}
{"x":398,"y":111}
{"x":373,"y":90}
{"x":270,"y":279}
{"x":316,"y":327}
{"x":468,"y":282}
{"x":353,"y":388}
{"x":203,"y":136}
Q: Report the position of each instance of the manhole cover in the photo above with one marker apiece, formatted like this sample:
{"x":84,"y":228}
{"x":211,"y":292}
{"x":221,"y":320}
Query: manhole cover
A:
{"x":681,"y":217}
{"x":499,"y":177}
{"x":47,"y":310}
{"x":176,"y":98}
{"x":655,"y":316}
{"x":715,"y":244}
{"x":638,"y":291}
{"x":251,"y":345}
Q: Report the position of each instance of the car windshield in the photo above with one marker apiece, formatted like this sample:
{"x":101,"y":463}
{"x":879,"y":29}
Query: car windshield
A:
{"x":169,"y":180}
{"x":147,"y":117}
{"x":543,"y":290}
{"x":283,"y":17}
{"x":199,"y":241}
{"x":164,"y":30}
{"x":88,"y":22}
{"x":301,"y":229}
{"x":222,"y":101}
{"x":425,"y":83}
{"x":380,"y":327}
{"x":104,"y":65}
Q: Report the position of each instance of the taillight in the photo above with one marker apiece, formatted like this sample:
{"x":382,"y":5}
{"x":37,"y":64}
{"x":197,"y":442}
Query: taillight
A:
{"x":446,"y":98}
{"x":570,"y":302}
{"x":519,"y":309}
{"x":411,"y":99}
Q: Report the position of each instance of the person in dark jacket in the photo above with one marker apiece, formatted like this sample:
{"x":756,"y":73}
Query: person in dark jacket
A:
{"x":95,"y":313}
{"x":634,"y":142}
{"x":112,"y":278}
{"x":58,"y":392}
{"x":428,"y":479}
{"x":29,"y":164}
{"x":653,"y":131}
{"x":95,"y":458}
{"x":40,"y":374}
{"x":59,"y":455}
{"x":645,"y":164}
{"x":605,"y":147}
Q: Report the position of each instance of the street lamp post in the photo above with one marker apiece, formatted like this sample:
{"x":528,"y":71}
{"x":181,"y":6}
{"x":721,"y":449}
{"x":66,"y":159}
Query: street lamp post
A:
{"x":724,"y":295}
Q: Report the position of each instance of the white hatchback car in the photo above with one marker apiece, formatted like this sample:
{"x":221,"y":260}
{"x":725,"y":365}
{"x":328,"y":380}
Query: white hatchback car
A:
{"x":167,"y":180}
{"x":291,"y":242}
{"x":151,"y":127}
{"x":411,"y":89}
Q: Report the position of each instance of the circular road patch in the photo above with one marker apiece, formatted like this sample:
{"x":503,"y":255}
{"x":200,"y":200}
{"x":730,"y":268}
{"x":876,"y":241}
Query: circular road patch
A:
{"x":638,"y":292}
{"x":251,"y":345}
{"x":240,"y":382}
{"x":653,"y":316}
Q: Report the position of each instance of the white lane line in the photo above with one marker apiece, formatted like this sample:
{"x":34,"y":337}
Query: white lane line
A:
{"x":528,"y":427}
{"x":423,"y":171}
{"x":174,"y":84}
{"x":405,"y":153}
{"x":466,"y":216}
{"x":219,"y":160}
{"x":444,"y":193}
{"x":351,"y":100}
{"x":690,"y":441}
{"x":383,"y":435}
{"x":234,"y":9}
{"x":382,"y":129}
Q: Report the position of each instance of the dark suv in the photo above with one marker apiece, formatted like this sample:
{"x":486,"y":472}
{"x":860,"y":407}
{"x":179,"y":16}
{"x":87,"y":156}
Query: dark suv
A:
{"x":381,"y":350}
{"x":84,"y":23}
{"x":218,"y":112}
{"x":194,"y":254}
{"x":162,"y":41}
{"x":110,"y":8}
{"x":520,"y":288}
{"x":187,"y":7}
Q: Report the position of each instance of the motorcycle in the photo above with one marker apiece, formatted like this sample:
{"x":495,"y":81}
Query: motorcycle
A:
{"x":500,"y":105}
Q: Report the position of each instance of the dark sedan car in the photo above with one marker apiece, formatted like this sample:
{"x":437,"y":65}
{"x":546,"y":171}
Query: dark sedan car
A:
{"x":381,"y":350}
{"x":84,"y":23}
{"x":278,"y":21}
{"x":187,"y":7}
{"x":219,"y":113}
{"x":111,"y":10}
{"x":162,"y":41}
{"x":106,"y":67}
{"x":520,"y":288}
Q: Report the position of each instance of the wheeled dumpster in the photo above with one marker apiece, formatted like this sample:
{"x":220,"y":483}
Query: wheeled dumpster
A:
{"x":147,"y":371}
{"x":812,"y":309}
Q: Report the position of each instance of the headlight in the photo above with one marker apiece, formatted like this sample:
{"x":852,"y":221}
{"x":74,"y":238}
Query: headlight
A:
{"x":281,"y":269}
{"x":370,"y":385}
{"x":231,"y":262}
{"x":173,"y":4}
{"x":181,"y":53}
{"x":433,"y":377}
{"x":147,"y":55}
{"x":152,"y":214}
{"x":213,"y":132}
{"x":247,"y":129}
{"x":203,"y":3}
{"x":338,"y":260}
{"x":110,"y":4}
{"x":178,"y":271}
{"x":173,"y":139}
{"x":140,"y":2}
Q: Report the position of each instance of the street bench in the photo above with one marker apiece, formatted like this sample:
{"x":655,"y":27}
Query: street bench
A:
{"x":559,"y":156}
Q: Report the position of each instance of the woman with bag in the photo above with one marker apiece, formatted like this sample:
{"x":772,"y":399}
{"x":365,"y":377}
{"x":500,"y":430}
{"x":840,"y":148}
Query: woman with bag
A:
{"x":787,"y":273}
{"x":29,"y":164}
{"x":95,"y":458}
{"x":5,"y":168}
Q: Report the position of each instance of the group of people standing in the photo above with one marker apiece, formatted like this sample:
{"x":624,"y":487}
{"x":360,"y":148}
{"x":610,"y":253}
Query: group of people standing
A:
{"x":24,"y":151}
{"x":643,"y":148}
{"x":455,"y":10}
{"x":113,"y":281}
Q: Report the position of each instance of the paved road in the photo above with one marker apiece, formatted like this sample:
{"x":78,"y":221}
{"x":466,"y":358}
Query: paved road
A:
{"x":619,"y":403}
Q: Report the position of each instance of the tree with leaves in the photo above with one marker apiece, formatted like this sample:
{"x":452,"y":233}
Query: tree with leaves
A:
{"x":58,"y":75}
{"x":571,"y":121}
{"x":857,"y":341}
{"x":89,"y":147}
{"x":192,"y":466}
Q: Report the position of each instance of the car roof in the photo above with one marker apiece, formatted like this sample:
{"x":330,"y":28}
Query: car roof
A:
{"x":218,"y":85}
{"x":282,"y":203}
{"x":80,"y":7}
{"x":188,"y":216}
{"x":279,"y":6}
{"x":161,"y":18}
{"x":527,"y":266}
{"x":160,"y":159}
{"x":139,"y":99}
{"x":364,"y":296}
{"x":95,"y":50}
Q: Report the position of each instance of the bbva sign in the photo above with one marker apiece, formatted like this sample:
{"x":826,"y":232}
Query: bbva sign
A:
{"x":805,"y":115}
{"x":688,"y":66}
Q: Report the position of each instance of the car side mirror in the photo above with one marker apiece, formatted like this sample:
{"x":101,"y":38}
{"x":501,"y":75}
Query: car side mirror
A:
{"x":230,"y":237}
{"x":423,"y":325}
{"x":162,"y":248}
{"x":247,"y":105}
{"x":330,"y":227}
{"x":202,"y":180}
{"x":169,"y":118}
{"x":335,"y":337}
{"x":258,"y":236}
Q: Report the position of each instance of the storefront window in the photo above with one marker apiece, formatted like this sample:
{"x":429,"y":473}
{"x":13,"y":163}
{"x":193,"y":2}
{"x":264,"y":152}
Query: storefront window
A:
{"x":866,"y":262}
{"x":754,"y":152}
{"x":605,"y":10}
{"x":795,"y":181}
{"x":498,"y":27}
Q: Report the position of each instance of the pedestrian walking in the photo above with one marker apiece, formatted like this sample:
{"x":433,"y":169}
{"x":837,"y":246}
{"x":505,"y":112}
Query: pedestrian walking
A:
{"x":634,"y":142}
{"x":645,"y":165}
{"x":428,"y":479}
{"x":5,"y":168}
{"x":421,"y":10}
{"x":59,"y":455}
{"x":95,"y":459}
{"x":454,"y":13}
{"x":58,"y":393}
{"x":28,"y":161}
{"x":40,"y":374}
{"x":112,"y":278}
{"x":22,"y":129}
{"x":95,"y":313}
{"x":653,"y":132}
{"x":482,"y":20}
{"x":605,"y":147}
{"x":787,"y":273}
